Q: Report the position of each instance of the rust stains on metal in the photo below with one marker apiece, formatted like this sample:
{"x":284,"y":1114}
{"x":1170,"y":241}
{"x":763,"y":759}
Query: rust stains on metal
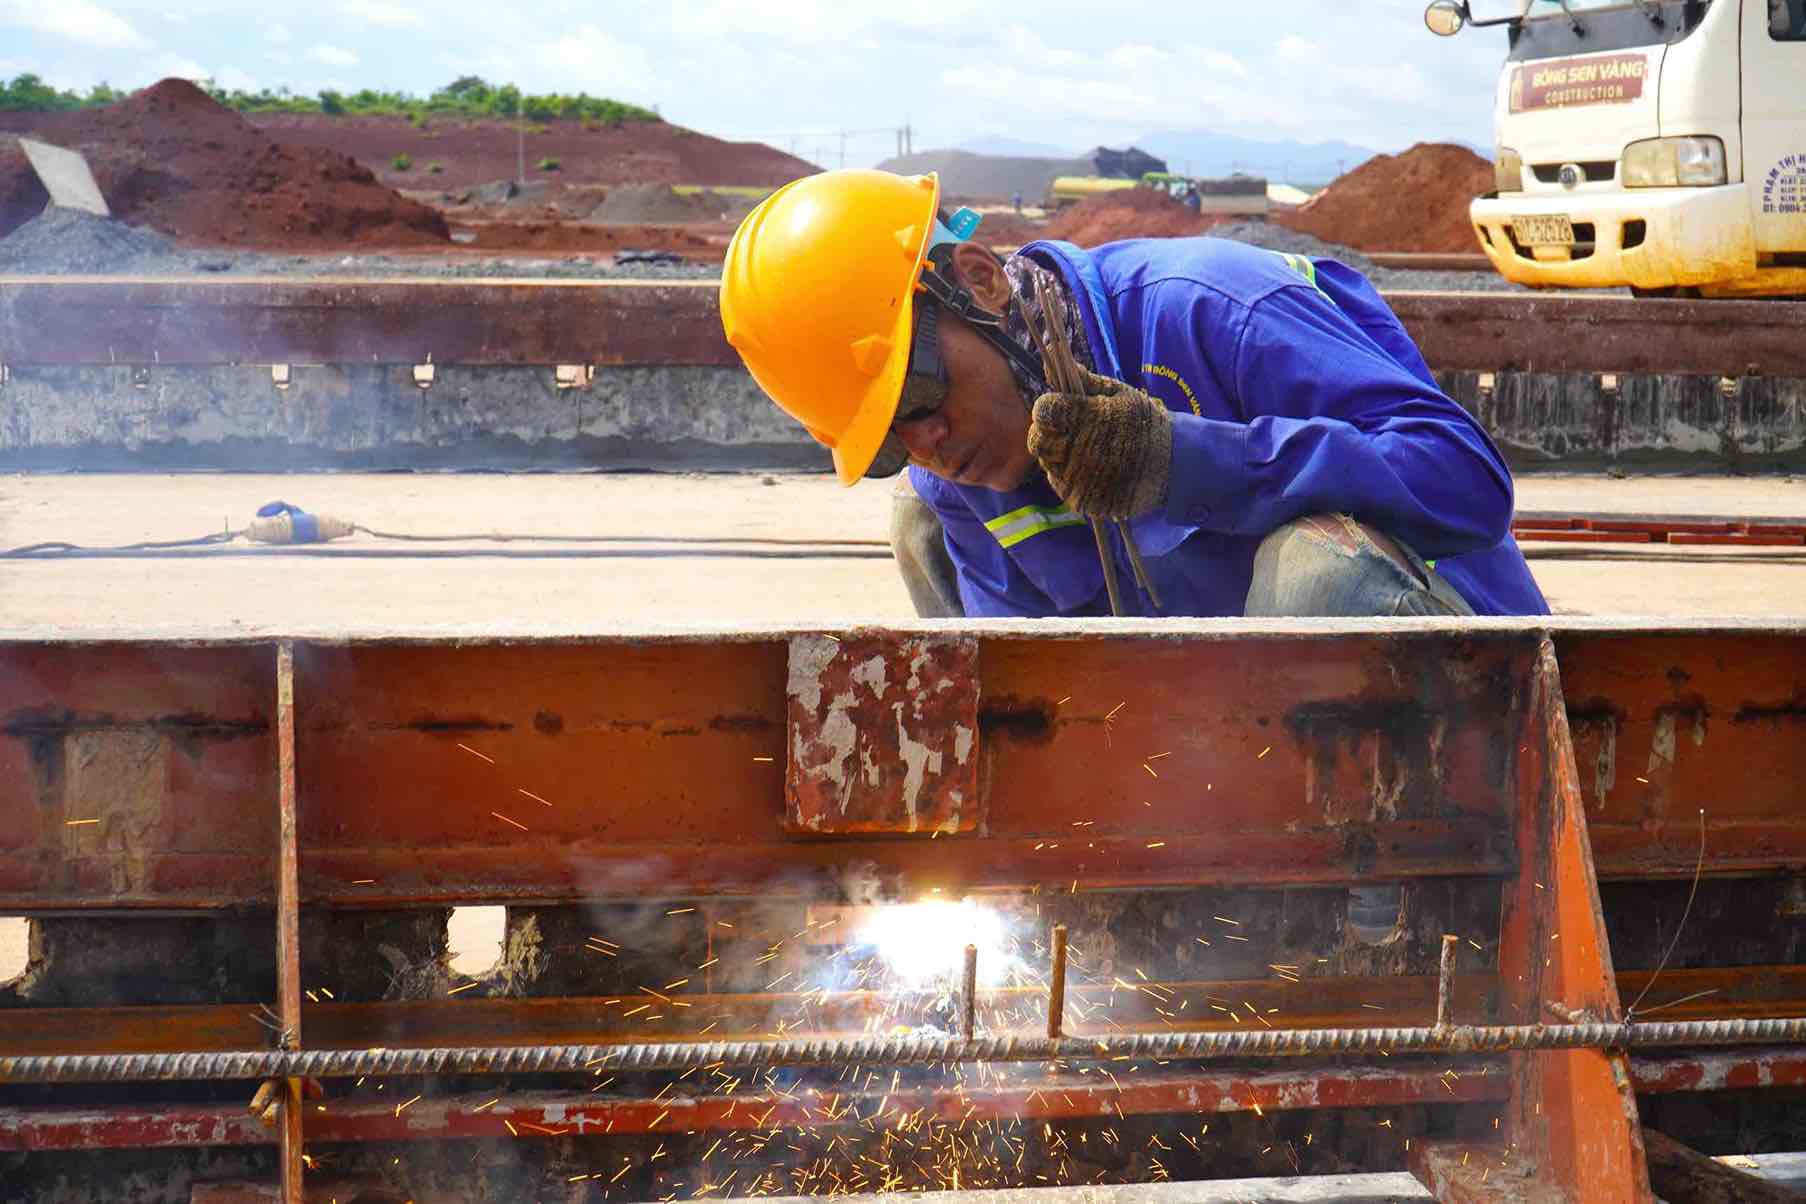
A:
{"x":195,"y":321}
{"x":883,"y":734}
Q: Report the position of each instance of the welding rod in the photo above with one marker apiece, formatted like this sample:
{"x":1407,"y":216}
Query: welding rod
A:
{"x":195,"y":1066}
{"x":1056,"y":984}
{"x":1445,"y":983}
{"x":968,"y":994}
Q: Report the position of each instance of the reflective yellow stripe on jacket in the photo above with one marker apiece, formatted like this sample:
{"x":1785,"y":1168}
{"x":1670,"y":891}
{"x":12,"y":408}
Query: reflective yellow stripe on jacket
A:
{"x":1027,"y":522}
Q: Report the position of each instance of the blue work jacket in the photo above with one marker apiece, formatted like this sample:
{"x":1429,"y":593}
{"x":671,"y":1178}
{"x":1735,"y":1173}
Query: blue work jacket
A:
{"x":1294,"y":391}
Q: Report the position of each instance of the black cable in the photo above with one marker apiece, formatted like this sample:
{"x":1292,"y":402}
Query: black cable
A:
{"x":56,"y":547}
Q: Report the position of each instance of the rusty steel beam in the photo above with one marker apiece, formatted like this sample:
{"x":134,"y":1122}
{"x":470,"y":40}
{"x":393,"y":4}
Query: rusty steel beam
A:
{"x":1294,"y":755}
{"x":289,"y":321}
{"x":207,"y":321}
{"x":1493,"y":332}
{"x":1571,"y":1124}
{"x":1554,"y":527}
{"x":537,"y":1114}
{"x":289,"y":1115}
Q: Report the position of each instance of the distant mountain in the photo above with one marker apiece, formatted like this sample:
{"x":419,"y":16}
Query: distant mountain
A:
{"x":1207,"y":153}
{"x":1016,"y":148}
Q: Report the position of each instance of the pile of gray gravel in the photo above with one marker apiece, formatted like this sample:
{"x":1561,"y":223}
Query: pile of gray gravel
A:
{"x":1278,"y":238}
{"x":68,"y":242}
{"x":72,"y":242}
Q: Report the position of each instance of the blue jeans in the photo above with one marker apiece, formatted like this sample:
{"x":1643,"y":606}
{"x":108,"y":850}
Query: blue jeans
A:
{"x":1329,"y":565}
{"x":1323,"y":565}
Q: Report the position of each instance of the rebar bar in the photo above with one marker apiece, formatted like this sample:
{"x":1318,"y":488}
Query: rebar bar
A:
{"x":892,"y":1051}
{"x":968,"y":994}
{"x":1445,"y":982}
{"x":1056,"y":984}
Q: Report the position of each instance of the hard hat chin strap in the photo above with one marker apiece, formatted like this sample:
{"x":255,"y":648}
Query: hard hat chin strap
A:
{"x":938,"y":282}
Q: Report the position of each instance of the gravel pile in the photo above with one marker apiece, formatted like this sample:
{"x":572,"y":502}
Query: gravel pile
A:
{"x":1278,"y":238}
{"x":68,"y":242}
{"x":71,"y":242}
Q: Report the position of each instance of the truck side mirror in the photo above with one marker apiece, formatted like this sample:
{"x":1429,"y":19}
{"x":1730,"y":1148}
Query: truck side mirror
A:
{"x":1445,"y":18}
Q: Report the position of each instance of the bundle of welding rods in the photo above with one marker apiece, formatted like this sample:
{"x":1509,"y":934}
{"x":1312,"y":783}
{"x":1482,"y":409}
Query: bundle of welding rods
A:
{"x":1061,"y":367}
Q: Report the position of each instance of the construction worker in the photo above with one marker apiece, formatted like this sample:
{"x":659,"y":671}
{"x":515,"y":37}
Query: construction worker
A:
{"x":1256,"y":434}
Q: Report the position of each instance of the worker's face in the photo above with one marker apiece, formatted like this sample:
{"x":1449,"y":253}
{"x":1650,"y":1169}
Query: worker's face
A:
{"x":979,"y":435}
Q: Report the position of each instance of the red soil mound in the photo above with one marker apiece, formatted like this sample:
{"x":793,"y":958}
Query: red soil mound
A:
{"x":1415,"y":201}
{"x":703,"y":244}
{"x":1130,"y":213}
{"x":471,"y":152}
{"x":173,"y":159}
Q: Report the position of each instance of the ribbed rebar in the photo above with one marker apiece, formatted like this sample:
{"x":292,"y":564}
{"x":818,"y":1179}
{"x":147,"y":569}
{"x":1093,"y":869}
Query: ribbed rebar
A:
{"x":891,"y":1051}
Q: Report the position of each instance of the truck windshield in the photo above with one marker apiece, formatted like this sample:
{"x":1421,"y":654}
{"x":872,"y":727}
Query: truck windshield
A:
{"x":1591,"y":26}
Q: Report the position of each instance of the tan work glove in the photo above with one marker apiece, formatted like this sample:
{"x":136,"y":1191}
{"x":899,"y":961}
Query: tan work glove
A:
{"x":1107,"y":454}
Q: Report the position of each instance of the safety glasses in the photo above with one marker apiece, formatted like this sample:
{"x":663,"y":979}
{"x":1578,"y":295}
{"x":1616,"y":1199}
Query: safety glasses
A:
{"x":925,"y":379}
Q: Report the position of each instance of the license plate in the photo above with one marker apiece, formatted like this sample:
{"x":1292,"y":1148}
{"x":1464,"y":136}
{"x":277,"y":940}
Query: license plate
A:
{"x":1543,"y":230}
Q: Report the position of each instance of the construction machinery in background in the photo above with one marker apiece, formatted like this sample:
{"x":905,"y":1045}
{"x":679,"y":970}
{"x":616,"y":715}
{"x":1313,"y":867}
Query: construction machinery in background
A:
{"x":1659,"y":145}
{"x":1239,"y":195}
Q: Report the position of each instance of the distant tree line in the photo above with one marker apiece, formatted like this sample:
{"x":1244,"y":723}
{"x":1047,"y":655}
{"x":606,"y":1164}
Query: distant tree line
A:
{"x":466,"y":96}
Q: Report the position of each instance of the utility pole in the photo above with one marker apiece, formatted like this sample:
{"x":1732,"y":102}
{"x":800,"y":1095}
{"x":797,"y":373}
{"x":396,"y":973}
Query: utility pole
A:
{"x":843,"y":148}
{"x":520,"y":140}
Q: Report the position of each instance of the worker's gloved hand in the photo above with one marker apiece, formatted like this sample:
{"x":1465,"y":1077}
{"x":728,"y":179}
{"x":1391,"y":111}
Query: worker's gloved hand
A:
{"x":1107,"y":454}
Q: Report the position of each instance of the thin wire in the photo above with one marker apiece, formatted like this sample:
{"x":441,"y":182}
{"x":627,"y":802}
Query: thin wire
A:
{"x":52,"y":549}
{"x":57,"y":547}
{"x":1630,"y":1013}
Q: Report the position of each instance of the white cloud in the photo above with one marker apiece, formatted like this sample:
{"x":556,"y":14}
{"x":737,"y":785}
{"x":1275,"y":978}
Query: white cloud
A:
{"x":279,"y":35}
{"x":594,"y":60}
{"x":1025,"y":43}
{"x":1130,"y":85}
{"x":333,"y":56}
{"x":1400,"y":83}
{"x":174,"y":66}
{"x":78,"y":20}
{"x":814,"y":21}
{"x":382,"y":13}
{"x":236,"y":79}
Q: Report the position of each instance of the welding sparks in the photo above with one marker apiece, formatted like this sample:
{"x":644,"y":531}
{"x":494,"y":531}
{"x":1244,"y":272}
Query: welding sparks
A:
{"x":1264,"y":752}
{"x":533,"y":796}
{"x":506,"y":820}
{"x":404,"y":1106}
{"x":79,"y":823}
{"x":473,"y":752}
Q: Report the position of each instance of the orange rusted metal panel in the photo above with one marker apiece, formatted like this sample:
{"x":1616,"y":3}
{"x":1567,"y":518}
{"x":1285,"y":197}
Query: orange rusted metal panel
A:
{"x":1676,"y":730}
{"x":130,"y":772}
{"x":457,"y":770}
{"x":883,"y":735}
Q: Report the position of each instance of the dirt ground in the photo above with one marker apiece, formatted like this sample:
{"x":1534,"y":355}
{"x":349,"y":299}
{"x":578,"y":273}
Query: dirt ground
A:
{"x":686,"y":572}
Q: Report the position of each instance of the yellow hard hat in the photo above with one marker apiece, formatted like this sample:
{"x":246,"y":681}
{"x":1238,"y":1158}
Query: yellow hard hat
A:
{"x":817,"y":296}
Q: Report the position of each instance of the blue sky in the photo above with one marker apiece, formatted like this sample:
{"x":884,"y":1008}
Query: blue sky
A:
{"x":793,"y":72}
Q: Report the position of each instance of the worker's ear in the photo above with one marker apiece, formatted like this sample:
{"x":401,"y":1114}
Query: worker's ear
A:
{"x":983,"y":275}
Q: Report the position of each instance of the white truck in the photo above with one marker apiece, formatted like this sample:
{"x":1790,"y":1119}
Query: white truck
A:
{"x":1659,"y":144}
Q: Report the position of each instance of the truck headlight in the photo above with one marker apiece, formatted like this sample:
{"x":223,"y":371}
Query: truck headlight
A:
{"x":1508,"y":170}
{"x":1673,"y":163}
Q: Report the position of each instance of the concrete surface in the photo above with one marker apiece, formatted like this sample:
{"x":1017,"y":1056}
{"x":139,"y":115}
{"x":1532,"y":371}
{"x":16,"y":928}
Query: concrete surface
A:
{"x":683,"y":573}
